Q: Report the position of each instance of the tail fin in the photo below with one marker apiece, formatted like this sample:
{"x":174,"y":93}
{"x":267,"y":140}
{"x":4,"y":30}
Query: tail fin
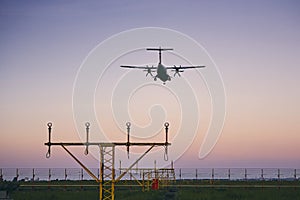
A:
{"x":160,"y":50}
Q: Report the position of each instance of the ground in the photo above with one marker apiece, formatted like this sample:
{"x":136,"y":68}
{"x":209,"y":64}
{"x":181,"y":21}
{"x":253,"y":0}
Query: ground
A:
{"x":181,"y":190}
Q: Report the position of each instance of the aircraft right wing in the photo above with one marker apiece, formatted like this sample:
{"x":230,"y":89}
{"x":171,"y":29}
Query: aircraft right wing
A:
{"x":185,"y":67}
{"x":178,"y":70}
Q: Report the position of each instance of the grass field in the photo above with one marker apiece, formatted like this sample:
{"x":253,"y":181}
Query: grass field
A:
{"x":181,"y":190}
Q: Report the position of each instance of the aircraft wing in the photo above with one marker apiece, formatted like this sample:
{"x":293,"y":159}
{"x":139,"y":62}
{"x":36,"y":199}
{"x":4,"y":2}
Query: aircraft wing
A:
{"x":137,"y":67}
{"x":185,"y":67}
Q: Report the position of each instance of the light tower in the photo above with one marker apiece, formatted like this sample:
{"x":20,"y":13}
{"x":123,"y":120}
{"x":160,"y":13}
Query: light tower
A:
{"x":107,"y":174}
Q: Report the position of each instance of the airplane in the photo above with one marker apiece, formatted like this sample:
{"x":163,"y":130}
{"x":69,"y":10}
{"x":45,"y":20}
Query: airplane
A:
{"x":161,"y":70}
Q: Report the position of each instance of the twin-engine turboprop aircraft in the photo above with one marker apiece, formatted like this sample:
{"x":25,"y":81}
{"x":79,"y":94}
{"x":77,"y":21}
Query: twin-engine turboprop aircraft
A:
{"x":161,"y":70}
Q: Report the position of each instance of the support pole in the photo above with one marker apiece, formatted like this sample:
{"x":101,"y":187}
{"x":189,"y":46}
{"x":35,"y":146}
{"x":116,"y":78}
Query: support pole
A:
{"x":17,"y":173}
{"x":212,"y":175}
{"x":49,"y":177}
{"x":180,"y":173}
{"x":113,"y":174}
{"x":155,"y":170}
{"x":120,"y":168}
{"x":66,"y":175}
{"x":33,"y":174}
{"x":101,"y":182}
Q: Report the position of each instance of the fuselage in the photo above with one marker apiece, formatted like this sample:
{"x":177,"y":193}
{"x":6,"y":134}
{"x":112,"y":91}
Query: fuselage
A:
{"x":162,"y":73}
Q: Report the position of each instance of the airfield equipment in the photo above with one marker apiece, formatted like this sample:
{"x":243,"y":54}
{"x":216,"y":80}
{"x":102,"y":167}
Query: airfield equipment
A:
{"x":107,"y":174}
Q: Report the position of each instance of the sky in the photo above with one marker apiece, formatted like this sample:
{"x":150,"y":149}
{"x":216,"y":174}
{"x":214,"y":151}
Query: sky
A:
{"x":254,"y":44}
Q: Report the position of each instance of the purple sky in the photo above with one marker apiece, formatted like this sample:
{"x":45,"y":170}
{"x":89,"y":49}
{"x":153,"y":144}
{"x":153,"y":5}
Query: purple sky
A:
{"x":255,"y":45}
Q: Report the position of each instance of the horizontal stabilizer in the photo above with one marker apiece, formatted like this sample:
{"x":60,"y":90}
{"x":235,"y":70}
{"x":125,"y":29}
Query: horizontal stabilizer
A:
{"x":159,"y":49}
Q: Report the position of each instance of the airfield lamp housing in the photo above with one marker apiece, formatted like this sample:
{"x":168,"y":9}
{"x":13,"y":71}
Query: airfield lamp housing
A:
{"x":49,"y":124}
{"x":166,"y":130}
{"x":87,"y":128}
{"x":128,"y":124}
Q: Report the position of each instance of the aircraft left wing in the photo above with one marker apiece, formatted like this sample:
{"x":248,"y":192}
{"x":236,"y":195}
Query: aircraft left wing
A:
{"x":147,"y":69}
{"x":137,"y":67}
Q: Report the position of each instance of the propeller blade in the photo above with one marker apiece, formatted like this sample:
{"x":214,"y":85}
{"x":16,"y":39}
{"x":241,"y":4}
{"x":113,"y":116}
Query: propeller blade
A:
{"x":175,"y":74}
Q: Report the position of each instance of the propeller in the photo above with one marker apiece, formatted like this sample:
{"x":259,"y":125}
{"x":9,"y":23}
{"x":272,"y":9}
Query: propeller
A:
{"x":149,"y":70}
{"x":177,"y":70}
